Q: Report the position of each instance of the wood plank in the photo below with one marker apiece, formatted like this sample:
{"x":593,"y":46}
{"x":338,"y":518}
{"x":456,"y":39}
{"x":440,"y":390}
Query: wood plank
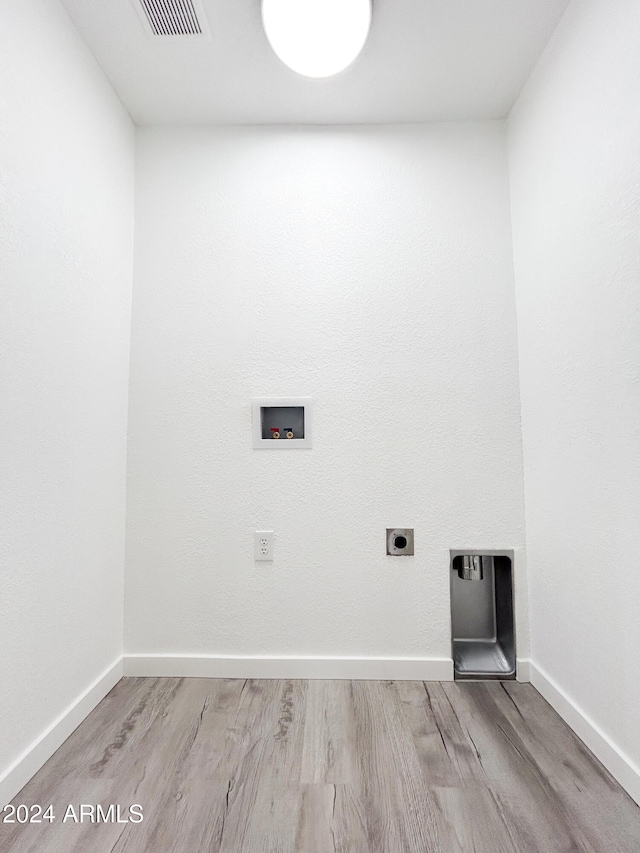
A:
{"x":266,"y":799}
{"x":327,"y":754}
{"x":399,"y":810}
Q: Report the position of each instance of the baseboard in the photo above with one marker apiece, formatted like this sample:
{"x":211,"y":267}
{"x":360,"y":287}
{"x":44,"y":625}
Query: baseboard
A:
{"x":523,"y":670}
{"x":222,"y":666}
{"x":617,"y":763}
{"x":26,"y":765}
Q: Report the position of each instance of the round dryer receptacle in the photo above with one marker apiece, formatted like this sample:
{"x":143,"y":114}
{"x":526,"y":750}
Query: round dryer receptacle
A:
{"x":400,"y":542}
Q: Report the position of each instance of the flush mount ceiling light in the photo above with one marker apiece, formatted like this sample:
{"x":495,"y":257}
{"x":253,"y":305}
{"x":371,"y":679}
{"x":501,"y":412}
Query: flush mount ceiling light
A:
{"x":317,"y":38}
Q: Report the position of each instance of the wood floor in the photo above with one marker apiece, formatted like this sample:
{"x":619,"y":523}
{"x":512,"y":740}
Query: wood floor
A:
{"x":363,"y":766}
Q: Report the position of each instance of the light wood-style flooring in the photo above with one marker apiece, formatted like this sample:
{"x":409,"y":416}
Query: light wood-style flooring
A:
{"x":328,"y":767}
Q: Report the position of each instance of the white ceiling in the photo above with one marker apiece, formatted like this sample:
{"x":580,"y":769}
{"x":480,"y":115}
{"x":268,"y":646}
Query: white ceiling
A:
{"x":426,"y":60}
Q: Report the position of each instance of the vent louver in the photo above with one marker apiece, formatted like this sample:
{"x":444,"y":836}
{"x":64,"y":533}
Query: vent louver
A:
{"x":172,"y":17}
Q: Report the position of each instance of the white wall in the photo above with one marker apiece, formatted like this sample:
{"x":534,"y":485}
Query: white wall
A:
{"x":371,"y":269}
{"x":66,"y":234}
{"x":575,"y":175}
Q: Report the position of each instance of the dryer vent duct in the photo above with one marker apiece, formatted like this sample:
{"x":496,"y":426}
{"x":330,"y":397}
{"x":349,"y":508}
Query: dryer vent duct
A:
{"x":173,"y":17}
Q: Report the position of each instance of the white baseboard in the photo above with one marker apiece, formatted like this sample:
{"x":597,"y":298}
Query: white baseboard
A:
{"x":617,"y":763}
{"x":222,"y":666}
{"x":523,"y":670}
{"x":15,"y":777}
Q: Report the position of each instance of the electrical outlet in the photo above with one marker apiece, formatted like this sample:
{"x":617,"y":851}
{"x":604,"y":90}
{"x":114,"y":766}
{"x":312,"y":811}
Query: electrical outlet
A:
{"x":263,"y":545}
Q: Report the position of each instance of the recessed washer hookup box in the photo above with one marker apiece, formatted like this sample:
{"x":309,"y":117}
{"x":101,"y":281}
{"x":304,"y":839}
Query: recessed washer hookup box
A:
{"x":281,"y":423}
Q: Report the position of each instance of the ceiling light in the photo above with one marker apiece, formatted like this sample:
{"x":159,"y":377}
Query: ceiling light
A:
{"x":317,"y":38}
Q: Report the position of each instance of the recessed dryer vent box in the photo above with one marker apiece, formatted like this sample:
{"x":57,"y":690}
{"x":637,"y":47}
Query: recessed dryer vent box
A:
{"x":482,"y":623}
{"x":281,"y":423}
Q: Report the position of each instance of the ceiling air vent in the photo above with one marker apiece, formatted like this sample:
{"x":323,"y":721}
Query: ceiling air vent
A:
{"x":173,"y":17}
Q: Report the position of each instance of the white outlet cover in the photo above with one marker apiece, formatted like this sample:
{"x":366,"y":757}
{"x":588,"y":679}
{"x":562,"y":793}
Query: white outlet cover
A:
{"x":263,"y":545}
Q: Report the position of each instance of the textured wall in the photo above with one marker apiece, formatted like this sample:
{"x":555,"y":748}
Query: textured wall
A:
{"x":66,"y":234}
{"x":575,"y":173}
{"x":372,"y":270}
